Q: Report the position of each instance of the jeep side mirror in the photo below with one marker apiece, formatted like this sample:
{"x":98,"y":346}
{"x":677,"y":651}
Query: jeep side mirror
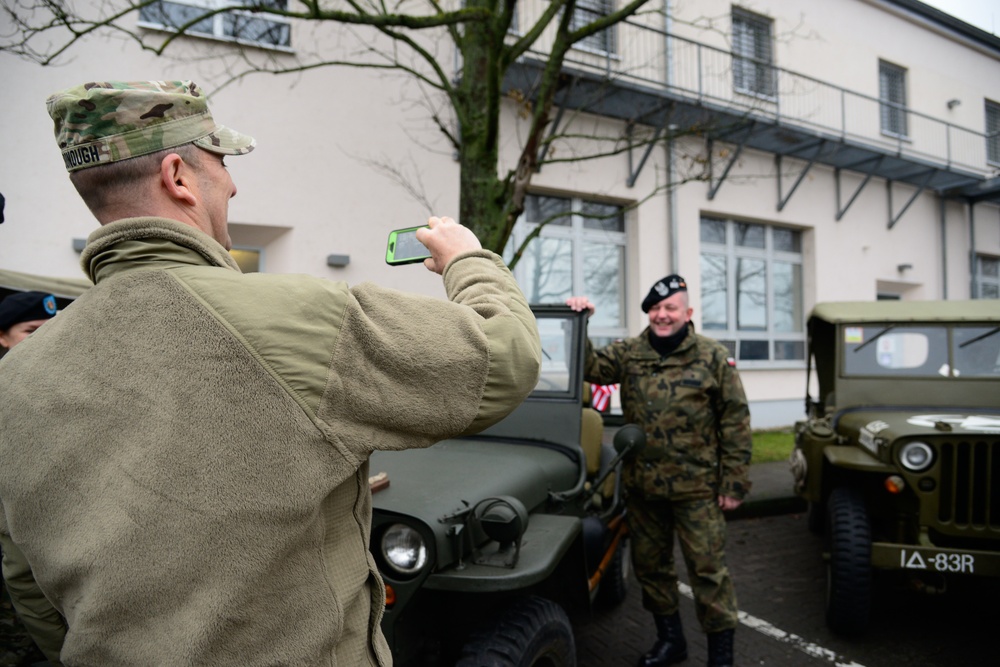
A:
{"x":628,"y":439}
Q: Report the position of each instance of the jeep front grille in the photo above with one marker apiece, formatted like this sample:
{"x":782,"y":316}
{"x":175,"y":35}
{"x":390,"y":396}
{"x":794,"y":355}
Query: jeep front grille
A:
{"x":970,"y":485}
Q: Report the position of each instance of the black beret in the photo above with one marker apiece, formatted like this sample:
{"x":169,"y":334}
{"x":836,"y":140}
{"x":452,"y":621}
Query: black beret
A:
{"x":26,"y":307}
{"x":662,"y":289}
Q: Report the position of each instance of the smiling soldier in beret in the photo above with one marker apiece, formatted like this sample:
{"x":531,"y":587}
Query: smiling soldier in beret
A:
{"x":683,"y":389}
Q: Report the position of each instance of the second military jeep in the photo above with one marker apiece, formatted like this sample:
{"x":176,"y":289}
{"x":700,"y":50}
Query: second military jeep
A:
{"x":485,"y":542}
{"x":899,"y":457}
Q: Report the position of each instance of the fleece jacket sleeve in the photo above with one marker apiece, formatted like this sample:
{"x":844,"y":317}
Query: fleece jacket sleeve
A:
{"x":410,"y":370}
{"x":45,"y":625}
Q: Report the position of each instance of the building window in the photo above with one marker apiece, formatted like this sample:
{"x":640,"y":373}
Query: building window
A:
{"x":248,"y":259}
{"x":751,"y":289}
{"x":588,"y":11}
{"x":987,"y":277}
{"x":235,"y":25}
{"x":892,"y":93}
{"x":992,"y":132}
{"x":580,"y":250}
{"x":753,"y":57}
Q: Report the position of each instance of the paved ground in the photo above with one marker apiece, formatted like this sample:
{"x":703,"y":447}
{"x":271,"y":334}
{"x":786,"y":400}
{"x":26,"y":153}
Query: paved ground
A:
{"x":780,"y":581}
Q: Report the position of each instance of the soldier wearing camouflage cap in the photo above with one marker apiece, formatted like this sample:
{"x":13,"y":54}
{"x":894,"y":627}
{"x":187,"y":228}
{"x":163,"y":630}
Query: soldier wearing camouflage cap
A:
{"x":683,"y":389}
{"x":188,"y":479}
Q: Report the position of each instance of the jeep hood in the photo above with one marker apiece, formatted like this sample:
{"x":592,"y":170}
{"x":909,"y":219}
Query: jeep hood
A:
{"x":453,"y":475}
{"x":890,"y":424}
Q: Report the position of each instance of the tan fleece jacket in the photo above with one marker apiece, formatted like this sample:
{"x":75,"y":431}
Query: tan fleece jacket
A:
{"x":183,"y":452}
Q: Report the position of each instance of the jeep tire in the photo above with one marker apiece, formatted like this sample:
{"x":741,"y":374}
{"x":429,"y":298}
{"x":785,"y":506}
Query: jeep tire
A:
{"x":533,"y":632}
{"x":849,"y":569}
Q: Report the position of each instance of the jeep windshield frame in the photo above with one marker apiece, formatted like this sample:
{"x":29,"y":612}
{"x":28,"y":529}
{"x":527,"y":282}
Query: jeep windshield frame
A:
{"x":958,"y":352}
{"x":952,"y":344}
{"x":551,"y":414}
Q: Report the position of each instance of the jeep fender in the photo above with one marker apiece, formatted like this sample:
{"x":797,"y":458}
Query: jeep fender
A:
{"x":544,"y":544}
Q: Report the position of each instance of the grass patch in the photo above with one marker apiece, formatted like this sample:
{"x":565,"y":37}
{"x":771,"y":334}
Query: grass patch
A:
{"x":775,"y":445}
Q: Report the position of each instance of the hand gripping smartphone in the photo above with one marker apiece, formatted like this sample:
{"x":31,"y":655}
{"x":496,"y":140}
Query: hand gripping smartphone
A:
{"x":404,"y":248}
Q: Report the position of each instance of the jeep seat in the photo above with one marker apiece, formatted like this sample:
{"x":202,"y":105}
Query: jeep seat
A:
{"x":592,"y":442}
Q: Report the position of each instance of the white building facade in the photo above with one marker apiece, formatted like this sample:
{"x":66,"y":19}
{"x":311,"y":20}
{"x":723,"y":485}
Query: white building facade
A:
{"x":844,"y":150}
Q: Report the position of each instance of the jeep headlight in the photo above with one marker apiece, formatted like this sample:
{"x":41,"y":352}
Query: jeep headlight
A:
{"x":916,"y":456}
{"x":404,"y":549}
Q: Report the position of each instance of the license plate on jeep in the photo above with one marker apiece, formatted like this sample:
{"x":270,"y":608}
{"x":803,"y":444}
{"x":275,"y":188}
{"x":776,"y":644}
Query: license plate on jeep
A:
{"x":931,"y":559}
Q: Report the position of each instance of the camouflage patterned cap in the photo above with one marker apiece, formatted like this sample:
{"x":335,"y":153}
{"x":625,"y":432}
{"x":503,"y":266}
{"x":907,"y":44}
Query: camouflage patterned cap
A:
{"x":108,"y":121}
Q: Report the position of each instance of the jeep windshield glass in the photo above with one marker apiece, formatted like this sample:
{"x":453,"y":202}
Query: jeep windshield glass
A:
{"x":557,"y":348}
{"x":898,"y":351}
{"x":977,"y":352}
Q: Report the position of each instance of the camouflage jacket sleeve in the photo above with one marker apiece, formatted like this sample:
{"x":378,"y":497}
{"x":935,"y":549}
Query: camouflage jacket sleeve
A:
{"x":605,"y":365}
{"x":43,"y":622}
{"x":735,"y":441}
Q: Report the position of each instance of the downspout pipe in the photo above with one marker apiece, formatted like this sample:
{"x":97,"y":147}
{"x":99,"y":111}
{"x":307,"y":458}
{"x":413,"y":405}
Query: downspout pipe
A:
{"x":973,"y":283}
{"x":672,"y":223}
{"x":944,"y":250}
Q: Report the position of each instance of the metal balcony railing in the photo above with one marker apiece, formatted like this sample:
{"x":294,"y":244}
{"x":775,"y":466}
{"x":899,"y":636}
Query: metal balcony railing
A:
{"x":682,"y":69}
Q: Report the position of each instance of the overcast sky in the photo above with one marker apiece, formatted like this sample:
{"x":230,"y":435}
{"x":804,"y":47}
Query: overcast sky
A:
{"x":984,"y":14}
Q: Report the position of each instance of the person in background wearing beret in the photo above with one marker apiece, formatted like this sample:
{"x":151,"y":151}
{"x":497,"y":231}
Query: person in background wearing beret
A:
{"x":22,"y":313}
{"x":683,"y":389}
{"x":188,"y":475}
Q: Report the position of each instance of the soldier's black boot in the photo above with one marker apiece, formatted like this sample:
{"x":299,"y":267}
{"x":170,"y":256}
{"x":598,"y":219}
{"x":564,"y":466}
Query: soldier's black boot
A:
{"x":670,"y":646}
{"x":720,"y":649}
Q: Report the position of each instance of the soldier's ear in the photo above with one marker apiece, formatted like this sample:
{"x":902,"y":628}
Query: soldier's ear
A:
{"x":177,"y":178}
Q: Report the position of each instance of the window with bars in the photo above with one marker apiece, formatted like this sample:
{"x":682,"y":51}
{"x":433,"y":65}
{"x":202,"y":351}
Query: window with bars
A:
{"x":892,"y":93}
{"x":587,"y":11}
{"x":234,"y":25}
{"x":580,"y":250}
{"x":751,"y":289}
{"x":753,"y":57}
{"x":987,"y":277}
{"x":992,"y":133}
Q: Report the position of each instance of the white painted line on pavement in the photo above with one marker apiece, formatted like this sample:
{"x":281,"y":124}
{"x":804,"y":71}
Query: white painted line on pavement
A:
{"x":769,"y":630}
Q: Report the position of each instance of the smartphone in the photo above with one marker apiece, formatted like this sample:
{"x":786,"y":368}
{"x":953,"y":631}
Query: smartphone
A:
{"x":404,"y":248}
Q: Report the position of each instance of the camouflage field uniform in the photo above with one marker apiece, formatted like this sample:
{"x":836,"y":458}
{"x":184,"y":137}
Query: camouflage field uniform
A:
{"x":694,"y":411}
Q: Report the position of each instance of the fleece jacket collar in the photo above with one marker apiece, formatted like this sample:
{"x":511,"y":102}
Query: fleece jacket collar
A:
{"x":149,"y":243}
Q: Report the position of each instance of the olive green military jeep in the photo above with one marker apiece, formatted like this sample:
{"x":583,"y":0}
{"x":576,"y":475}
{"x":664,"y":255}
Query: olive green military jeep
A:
{"x":899,"y":457}
{"x":484,"y":542}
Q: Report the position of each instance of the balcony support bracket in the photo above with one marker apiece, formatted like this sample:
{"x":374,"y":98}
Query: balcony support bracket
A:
{"x":868,"y":176}
{"x":782,"y":201}
{"x":713,"y":186}
{"x":566,"y":92}
{"x":650,"y":143}
{"x":893,"y":219}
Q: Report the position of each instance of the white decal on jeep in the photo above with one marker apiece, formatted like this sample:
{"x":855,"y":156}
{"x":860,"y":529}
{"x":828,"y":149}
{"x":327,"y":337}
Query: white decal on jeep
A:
{"x":867,"y":440}
{"x":877,"y":426}
{"x":868,"y":432}
{"x":980,"y":423}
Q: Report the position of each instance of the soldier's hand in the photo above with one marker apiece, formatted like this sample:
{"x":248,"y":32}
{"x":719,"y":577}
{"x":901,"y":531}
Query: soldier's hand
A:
{"x":728,"y":504}
{"x":581,"y":303}
{"x":446,"y":240}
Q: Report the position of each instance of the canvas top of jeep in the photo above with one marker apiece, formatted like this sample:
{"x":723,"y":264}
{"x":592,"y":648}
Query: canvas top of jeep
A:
{"x":909,"y":354}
